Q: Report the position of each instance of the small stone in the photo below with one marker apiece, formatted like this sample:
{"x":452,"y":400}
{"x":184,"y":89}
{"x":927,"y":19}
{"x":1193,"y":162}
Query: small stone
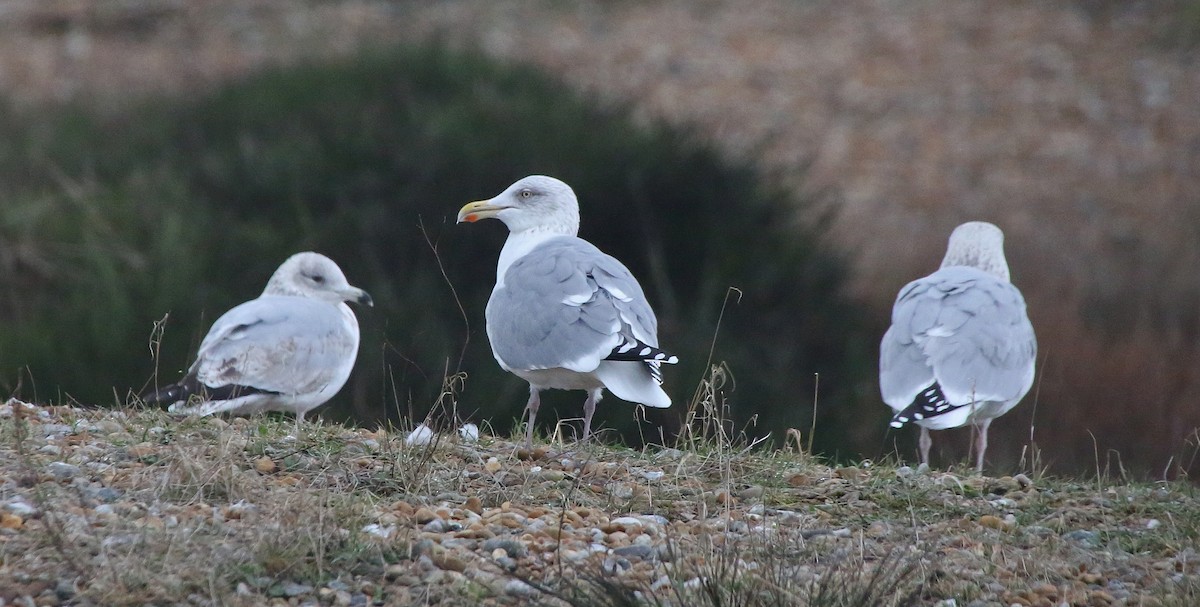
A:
{"x":492,"y":465}
{"x":394,"y":571}
{"x":424,"y":515}
{"x":445,"y":560}
{"x":65,"y":589}
{"x":474,"y":505}
{"x":635,"y":551}
{"x":1082,"y":536}
{"x":437,"y":525}
{"x":420,"y":436}
{"x":512,"y":548}
{"x":993,"y":522}
{"x":469,"y":433}
{"x":750,"y":493}
{"x":290,"y":589}
{"x":519,"y":588}
{"x":63,"y":471}
{"x":108,"y":426}
{"x":799,"y":480}
{"x":850,"y":473}
{"x":11,"y":521}
{"x":20,"y":508}
{"x":1003,"y":485}
{"x":265,"y":465}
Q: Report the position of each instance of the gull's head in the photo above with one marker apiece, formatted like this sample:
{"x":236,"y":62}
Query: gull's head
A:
{"x":977,"y":244}
{"x":536,"y":203}
{"x":314,"y":276}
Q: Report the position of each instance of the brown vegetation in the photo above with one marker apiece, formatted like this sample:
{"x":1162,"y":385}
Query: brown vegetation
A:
{"x":129,"y":507}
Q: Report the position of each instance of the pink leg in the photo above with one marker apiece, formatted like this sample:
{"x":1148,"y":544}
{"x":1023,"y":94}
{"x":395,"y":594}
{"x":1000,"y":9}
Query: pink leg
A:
{"x":925,"y":443}
{"x":535,"y":401}
{"x":981,"y":445}
{"x":589,"y":407}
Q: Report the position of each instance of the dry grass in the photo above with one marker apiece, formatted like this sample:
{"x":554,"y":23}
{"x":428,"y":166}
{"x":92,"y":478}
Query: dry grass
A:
{"x":131,"y":507}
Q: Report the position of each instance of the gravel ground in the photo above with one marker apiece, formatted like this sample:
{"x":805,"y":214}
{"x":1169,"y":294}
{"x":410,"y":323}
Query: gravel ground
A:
{"x":134,"y":507}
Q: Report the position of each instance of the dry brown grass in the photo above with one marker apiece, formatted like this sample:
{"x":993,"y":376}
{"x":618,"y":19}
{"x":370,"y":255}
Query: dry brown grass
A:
{"x":133,"y":507}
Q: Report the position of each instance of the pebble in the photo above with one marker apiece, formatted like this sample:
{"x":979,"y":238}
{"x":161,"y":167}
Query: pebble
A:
{"x":420,"y":436}
{"x":635,"y":551}
{"x":63,"y":471}
{"x":437,"y":525}
{"x":20,"y":507}
{"x":1083,"y":536}
{"x":510,"y":547}
{"x":290,"y":589}
{"x":851,"y":473}
{"x":995,"y":522}
{"x":448,"y":561}
{"x":519,"y":588}
{"x":469,"y":432}
{"x":108,"y":426}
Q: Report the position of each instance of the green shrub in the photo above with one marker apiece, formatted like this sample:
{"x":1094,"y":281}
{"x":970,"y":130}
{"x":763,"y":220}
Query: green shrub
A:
{"x":188,"y":205}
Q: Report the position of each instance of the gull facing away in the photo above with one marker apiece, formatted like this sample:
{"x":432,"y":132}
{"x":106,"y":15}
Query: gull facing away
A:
{"x":291,"y":349}
{"x":960,"y":349}
{"x":564,"y":314}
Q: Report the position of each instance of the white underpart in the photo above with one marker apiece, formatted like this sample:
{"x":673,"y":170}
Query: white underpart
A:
{"x":517,"y":246}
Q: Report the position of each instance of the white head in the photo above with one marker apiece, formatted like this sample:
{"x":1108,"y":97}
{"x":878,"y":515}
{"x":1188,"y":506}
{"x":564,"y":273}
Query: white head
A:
{"x":536,"y":203}
{"x":977,"y":244}
{"x":314,"y":276}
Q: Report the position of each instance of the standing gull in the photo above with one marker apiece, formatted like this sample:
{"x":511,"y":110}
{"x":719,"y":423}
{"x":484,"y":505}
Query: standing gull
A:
{"x":563,"y":314}
{"x":291,"y":349}
{"x":960,"y":349}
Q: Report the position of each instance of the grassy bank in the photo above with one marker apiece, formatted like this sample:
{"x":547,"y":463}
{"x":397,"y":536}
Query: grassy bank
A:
{"x":133,"y":507}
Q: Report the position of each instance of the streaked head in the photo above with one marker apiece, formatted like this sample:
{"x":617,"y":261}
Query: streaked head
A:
{"x":314,"y":276}
{"x":536,"y":202}
{"x":977,"y":244}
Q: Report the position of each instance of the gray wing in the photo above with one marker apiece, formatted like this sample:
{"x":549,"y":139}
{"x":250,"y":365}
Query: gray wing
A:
{"x":288,"y":345}
{"x":567,"y":304}
{"x":964,"y":329}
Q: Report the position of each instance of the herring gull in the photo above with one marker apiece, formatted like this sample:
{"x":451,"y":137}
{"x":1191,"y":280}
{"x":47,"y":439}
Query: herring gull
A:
{"x":960,"y":349}
{"x":291,"y":349}
{"x":564,"y":314}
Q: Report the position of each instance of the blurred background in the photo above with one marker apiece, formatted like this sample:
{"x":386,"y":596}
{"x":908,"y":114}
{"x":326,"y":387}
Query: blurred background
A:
{"x":159,"y":158}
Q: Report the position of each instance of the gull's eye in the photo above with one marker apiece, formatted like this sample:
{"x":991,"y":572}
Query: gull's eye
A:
{"x":526,"y":194}
{"x":317,"y":278}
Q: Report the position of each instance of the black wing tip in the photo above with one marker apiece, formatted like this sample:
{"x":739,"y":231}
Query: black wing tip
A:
{"x":636,"y":350}
{"x":178,"y":391}
{"x":188,"y":387}
{"x":929,"y":402}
